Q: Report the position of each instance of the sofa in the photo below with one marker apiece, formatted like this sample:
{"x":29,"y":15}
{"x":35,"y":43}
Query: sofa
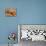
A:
{"x":33,"y":35}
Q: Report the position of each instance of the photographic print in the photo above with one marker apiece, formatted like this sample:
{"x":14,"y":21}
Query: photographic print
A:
{"x":10,"y":11}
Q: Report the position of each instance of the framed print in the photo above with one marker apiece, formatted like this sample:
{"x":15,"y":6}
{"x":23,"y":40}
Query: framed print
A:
{"x":10,"y":11}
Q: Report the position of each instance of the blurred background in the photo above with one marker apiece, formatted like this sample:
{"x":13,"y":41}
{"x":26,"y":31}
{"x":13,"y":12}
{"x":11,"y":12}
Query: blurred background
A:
{"x":28,"y":12}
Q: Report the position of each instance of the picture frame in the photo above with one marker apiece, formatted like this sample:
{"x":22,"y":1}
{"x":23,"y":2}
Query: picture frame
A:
{"x":11,"y":12}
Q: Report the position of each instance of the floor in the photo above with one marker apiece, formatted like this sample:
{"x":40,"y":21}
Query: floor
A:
{"x":7,"y":45}
{"x":30,"y":43}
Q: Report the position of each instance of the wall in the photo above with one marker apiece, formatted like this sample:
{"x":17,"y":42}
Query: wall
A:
{"x":28,"y":12}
